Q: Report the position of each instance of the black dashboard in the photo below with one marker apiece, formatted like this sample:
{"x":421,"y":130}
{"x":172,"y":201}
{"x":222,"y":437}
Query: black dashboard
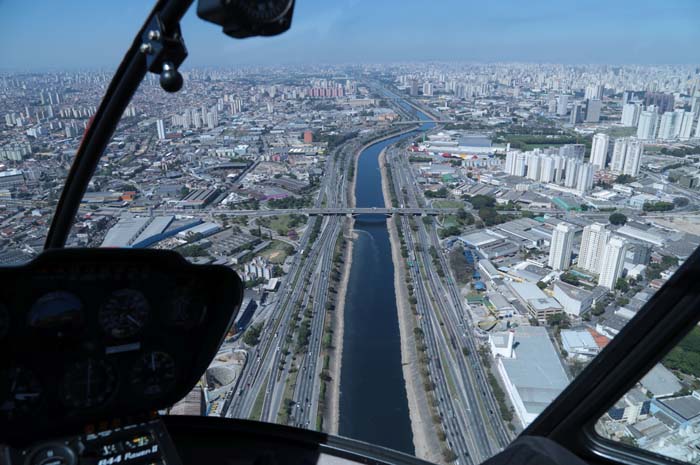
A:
{"x":94,"y":342}
{"x":95,"y":338}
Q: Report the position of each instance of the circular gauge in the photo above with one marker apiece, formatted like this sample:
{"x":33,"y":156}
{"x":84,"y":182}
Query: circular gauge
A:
{"x":4,"y":321}
{"x":52,"y":453}
{"x":56,"y":311}
{"x":154,"y":373}
{"x":124,"y":313}
{"x":88,"y":383}
{"x":186,"y":311}
{"x":20,"y":392}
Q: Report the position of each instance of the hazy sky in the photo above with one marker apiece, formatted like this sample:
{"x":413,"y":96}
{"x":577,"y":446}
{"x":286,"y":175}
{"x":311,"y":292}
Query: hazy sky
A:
{"x":39,"y":34}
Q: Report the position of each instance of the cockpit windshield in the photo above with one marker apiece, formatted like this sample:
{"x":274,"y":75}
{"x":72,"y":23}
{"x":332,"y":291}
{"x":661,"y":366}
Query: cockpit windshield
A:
{"x":441,"y":211}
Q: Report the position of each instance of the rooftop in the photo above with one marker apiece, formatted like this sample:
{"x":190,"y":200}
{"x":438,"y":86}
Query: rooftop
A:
{"x":536,"y":371}
{"x":572,"y":291}
{"x":125,"y":231}
{"x":660,"y":381}
{"x":528,"y":291}
{"x":479,"y":238}
{"x":578,"y":340}
{"x":687,"y":407}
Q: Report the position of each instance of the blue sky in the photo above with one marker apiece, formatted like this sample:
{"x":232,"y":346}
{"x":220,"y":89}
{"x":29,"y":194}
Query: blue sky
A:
{"x":40,"y":34}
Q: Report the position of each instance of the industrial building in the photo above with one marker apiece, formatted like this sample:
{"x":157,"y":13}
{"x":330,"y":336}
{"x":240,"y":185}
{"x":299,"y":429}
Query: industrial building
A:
{"x":140,"y":232}
{"x":579,"y":344}
{"x":683,"y":410}
{"x":199,"y":198}
{"x":490,"y":244}
{"x":576,"y":301}
{"x":539,"y":305}
{"x":530,"y":369}
{"x":11,"y":178}
{"x":200,"y":230}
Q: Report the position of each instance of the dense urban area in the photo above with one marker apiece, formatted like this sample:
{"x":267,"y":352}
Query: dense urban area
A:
{"x":532,"y":210}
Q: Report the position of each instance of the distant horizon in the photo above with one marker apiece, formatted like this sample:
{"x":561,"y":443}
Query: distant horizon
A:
{"x":186,"y":67}
{"x":565,"y":32}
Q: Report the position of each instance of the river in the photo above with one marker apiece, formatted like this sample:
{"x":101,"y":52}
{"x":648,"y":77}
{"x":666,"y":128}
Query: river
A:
{"x":373,"y":403}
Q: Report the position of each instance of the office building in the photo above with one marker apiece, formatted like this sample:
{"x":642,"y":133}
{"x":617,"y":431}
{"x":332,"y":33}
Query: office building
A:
{"x":695,"y":107}
{"x":575,"y":151}
{"x":648,"y":125}
{"x":627,"y":156}
{"x":593,"y":241}
{"x":594,"y":92}
{"x":559,"y":166}
{"x":686,"y":125}
{"x":599,"y":150}
{"x":547,"y":170}
{"x":160,"y":126}
{"x":630,"y":114}
{"x":570,"y":172}
{"x":627,"y":96}
{"x":619,"y":152}
{"x":593,"y":108}
{"x":560,"y":248}
{"x":562,"y":104}
{"x":509,"y":164}
{"x":584,"y":177}
{"x":633,"y":159}
{"x":515,"y":163}
{"x":533,"y":166}
{"x":669,"y":126}
{"x":519,"y":166}
{"x":212,"y":119}
{"x":613,"y":262}
{"x":427,"y":89}
{"x":663,"y":102}
{"x":576,"y":114}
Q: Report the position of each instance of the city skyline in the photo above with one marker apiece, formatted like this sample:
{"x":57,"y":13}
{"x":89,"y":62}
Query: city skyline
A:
{"x":419,"y":237}
{"x":345,"y":32}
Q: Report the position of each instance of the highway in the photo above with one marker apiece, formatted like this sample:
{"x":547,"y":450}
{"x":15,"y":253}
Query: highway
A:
{"x":275,"y":379}
{"x":271,"y":372}
{"x":469,"y":412}
{"x":306,"y":394}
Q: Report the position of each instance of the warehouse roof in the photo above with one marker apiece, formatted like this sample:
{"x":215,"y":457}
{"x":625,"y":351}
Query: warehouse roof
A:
{"x":660,"y":381}
{"x":157,"y":226}
{"x":480,"y":238}
{"x":574,"y":341}
{"x":204,"y":229}
{"x":688,"y":407}
{"x":124,"y":232}
{"x":572,"y":291}
{"x":528,"y":291}
{"x":536,"y":371}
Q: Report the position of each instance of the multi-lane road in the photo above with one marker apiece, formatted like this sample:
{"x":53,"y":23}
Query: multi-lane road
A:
{"x":469,"y":412}
{"x":277,"y":379}
{"x":275,"y":369}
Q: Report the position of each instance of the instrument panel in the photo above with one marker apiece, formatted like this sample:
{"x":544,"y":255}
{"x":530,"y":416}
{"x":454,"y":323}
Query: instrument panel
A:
{"x":142,"y":442}
{"x":92,"y":334}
